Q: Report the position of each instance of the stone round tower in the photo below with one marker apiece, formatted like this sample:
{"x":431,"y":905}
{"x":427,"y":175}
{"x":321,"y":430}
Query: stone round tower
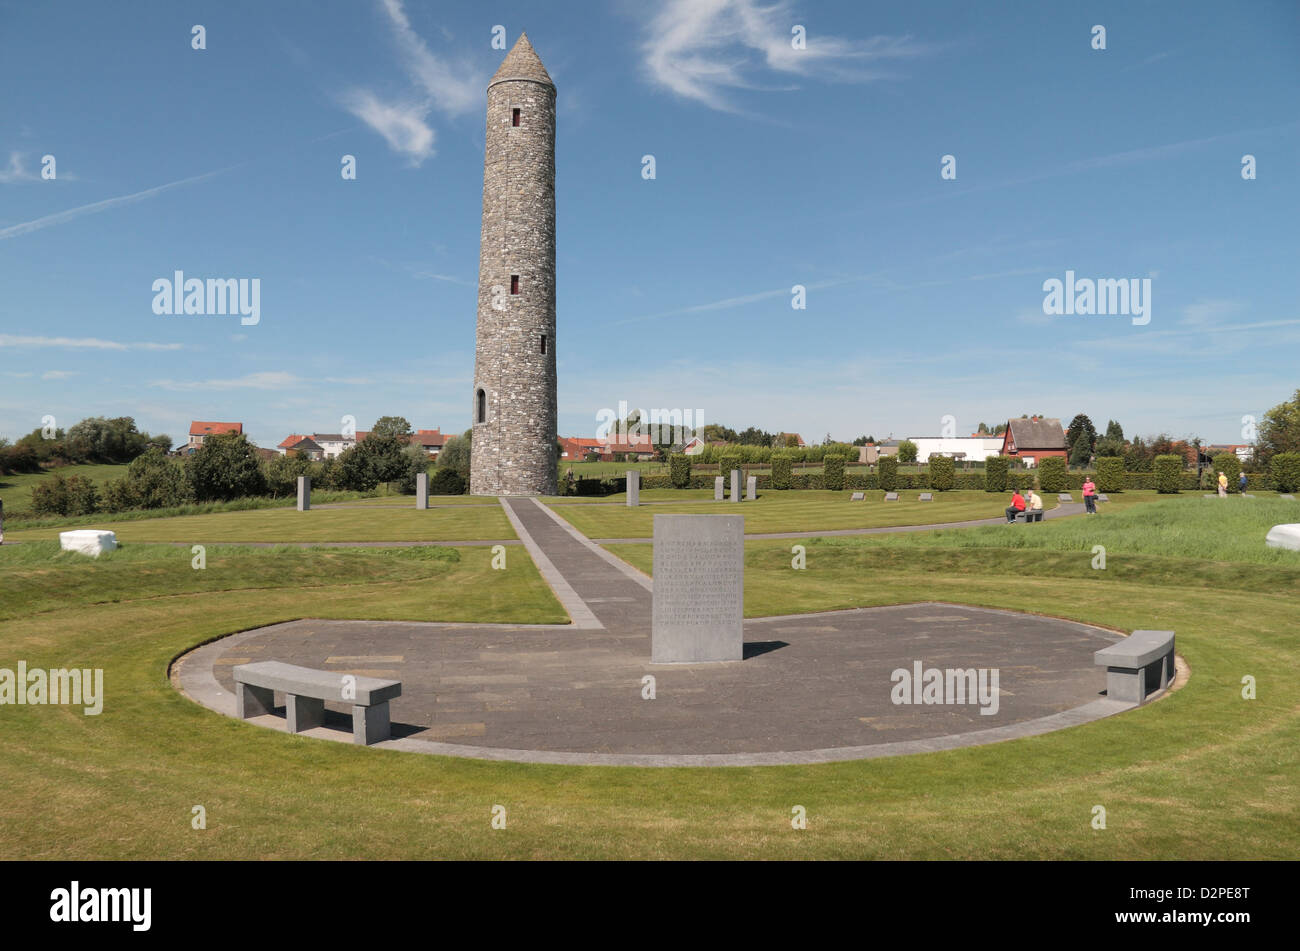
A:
{"x":513,"y":451}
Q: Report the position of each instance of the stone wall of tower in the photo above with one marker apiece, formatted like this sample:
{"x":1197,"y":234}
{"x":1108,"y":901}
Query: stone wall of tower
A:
{"x":513,"y":449}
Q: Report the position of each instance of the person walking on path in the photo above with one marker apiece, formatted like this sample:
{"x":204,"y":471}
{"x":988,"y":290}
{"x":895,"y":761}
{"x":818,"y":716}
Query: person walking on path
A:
{"x":1017,"y":505}
{"x":1089,"y":496}
{"x":1223,"y":486}
{"x":1241,"y":484}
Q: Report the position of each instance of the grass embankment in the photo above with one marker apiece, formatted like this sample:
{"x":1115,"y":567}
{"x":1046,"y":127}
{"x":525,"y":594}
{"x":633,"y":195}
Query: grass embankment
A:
{"x":1203,"y":774}
{"x":369,"y":524}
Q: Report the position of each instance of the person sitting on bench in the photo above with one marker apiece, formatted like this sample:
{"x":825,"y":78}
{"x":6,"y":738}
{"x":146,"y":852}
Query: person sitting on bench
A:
{"x":1017,"y":505}
{"x":1035,"y":503}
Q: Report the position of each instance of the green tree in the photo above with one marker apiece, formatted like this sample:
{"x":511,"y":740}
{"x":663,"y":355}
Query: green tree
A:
{"x":225,"y":467}
{"x":1114,"y":431}
{"x":390,"y":426}
{"x":1080,"y":426}
{"x":907,"y":451}
{"x":355,"y":471}
{"x":713,"y":432}
{"x":1279,"y":431}
{"x":455,"y":454}
{"x":155,"y":481}
{"x":864,"y":440}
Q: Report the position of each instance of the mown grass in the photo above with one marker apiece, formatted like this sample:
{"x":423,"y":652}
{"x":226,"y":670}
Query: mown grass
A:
{"x":16,"y":489}
{"x":369,"y":524}
{"x":811,"y":510}
{"x":1202,"y":774}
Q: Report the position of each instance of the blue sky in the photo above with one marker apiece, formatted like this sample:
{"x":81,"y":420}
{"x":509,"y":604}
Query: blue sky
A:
{"x":774,"y":167}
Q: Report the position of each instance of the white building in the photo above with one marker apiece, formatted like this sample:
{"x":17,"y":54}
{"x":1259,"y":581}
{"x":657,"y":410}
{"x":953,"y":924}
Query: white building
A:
{"x":961,"y":448}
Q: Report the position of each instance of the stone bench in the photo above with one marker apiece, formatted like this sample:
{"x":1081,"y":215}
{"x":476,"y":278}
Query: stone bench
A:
{"x":1139,"y":666}
{"x":306,"y":691}
{"x":1029,"y":515}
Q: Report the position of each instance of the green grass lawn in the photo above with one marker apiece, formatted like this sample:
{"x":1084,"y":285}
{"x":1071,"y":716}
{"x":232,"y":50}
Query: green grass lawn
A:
{"x":16,"y":490}
{"x":371,"y":524}
{"x":1201,"y":774}
{"x":810,"y":510}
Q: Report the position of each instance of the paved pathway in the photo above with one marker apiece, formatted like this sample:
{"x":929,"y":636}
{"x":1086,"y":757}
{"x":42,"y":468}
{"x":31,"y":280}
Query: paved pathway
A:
{"x":812,"y":688}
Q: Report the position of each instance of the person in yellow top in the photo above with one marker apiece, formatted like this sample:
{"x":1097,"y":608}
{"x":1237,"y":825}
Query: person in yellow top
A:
{"x":1223,"y":486}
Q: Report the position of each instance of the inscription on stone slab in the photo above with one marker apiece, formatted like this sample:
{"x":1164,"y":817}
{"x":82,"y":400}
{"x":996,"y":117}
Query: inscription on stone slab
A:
{"x":633,"y":488}
{"x":857,"y":497}
{"x":751,"y":488}
{"x":699,"y":590}
{"x":717,"y":489}
{"x":422,"y":490}
{"x":304,"y":493}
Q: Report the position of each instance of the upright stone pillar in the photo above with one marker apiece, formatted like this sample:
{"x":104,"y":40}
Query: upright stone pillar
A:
{"x":717,"y":489}
{"x":699,"y":590}
{"x":304,"y":493}
{"x":751,"y":488}
{"x":633,"y":488}
{"x":422,"y":490}
{"x":735,"y":485}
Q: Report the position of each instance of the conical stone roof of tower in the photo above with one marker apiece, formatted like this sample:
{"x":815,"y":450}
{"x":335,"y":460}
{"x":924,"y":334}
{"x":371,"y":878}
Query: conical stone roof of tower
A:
{"x":522,"y":62}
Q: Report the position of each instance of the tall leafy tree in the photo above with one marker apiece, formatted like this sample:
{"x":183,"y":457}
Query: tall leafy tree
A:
{"x":391,"y":426}
{"x":1114,"y":431}
{"x":225,"y":467}
{"x":1279,"y":431}
{"x":1080,"y":426}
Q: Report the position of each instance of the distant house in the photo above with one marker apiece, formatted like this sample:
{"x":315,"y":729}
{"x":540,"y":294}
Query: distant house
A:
{"x":1034,"y":438}
{"x":870,"y":453}
{"x":575,"y":448}
{"x":961,"y":448}
{"x":430,"y":440}
{"x":309,"y":448}
{"x":288,"y":441}
{"x":201,"y":430}
{"x":780,"y":440}
{"x":694,"y":447}
{"x":1244,"y":453}
{"x":266,"y":455}
{"x":640,"y":447}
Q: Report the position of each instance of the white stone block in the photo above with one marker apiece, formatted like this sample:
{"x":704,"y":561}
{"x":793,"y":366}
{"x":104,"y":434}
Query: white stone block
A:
{"x":88,"y":541}
{"x":1284,"y":536}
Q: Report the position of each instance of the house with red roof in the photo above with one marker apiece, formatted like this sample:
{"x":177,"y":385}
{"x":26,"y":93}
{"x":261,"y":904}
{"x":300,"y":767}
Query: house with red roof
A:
{"x":1034,"y":438}
{"x":201,"y":430}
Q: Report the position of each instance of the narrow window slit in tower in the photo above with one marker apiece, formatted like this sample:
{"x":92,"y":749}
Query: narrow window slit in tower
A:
{"x":514,"y":117}
{"x":514,"y":283}
{"x":481,"y":409}
{"x":543,"y":340}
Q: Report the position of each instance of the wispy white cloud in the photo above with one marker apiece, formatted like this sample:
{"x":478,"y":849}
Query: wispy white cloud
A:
{"x":452,"y":89}
{"x":266,"y":380}
{"x":58,"y":374}
{"x":16,"y":171}
{"x":80,"y":343}
{"x":61,"y":217}
{"x":402,"y":125}
{"x":701,"y":49}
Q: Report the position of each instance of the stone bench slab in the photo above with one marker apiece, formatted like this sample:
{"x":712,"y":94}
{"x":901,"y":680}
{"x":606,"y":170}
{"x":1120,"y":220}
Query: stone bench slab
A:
{"x":1140,"y":665}
{"x":306,"y":691}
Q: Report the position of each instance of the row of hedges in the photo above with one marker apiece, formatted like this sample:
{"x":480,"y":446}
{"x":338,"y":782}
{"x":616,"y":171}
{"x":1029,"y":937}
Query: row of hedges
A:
{"x":1051,"y":476}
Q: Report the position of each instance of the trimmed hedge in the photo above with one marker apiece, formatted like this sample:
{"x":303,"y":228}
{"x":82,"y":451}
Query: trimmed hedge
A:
{"x":942,"y":470}
{"x":1052,"y":474}
{"x":782,"y":467}
{"x":1229,"y":465}
{"x":728,"y":461}
{"x":1285,"y":469}
{"x":995,"y":473}
{"x":888,"y":466}
{"x":1110,"y":474}
{"x":679,"y":470}
{"x":833,"y":473}
{"x":1168,"y":473}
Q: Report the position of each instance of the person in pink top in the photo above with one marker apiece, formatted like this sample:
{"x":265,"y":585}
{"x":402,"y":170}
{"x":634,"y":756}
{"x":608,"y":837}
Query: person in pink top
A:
{"x":1089,"y":496}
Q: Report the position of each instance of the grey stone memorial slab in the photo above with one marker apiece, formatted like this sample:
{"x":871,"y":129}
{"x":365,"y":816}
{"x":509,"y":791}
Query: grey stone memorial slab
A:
{"x":891,"y":496}
{"x":304,"y":493}
{"x":1065,"y":497}
{"x":633,"y":488}
{"x":1286,"y":497}
{"x":717,"y":489}
{"x":751,"y":489}
{"x":858,"y":497}
{"x":926,"y":497}
{"x":422,"y":490}
{"x":1103,"y":497}
{"x":699,"y":591}
{"x":735,"y":485}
